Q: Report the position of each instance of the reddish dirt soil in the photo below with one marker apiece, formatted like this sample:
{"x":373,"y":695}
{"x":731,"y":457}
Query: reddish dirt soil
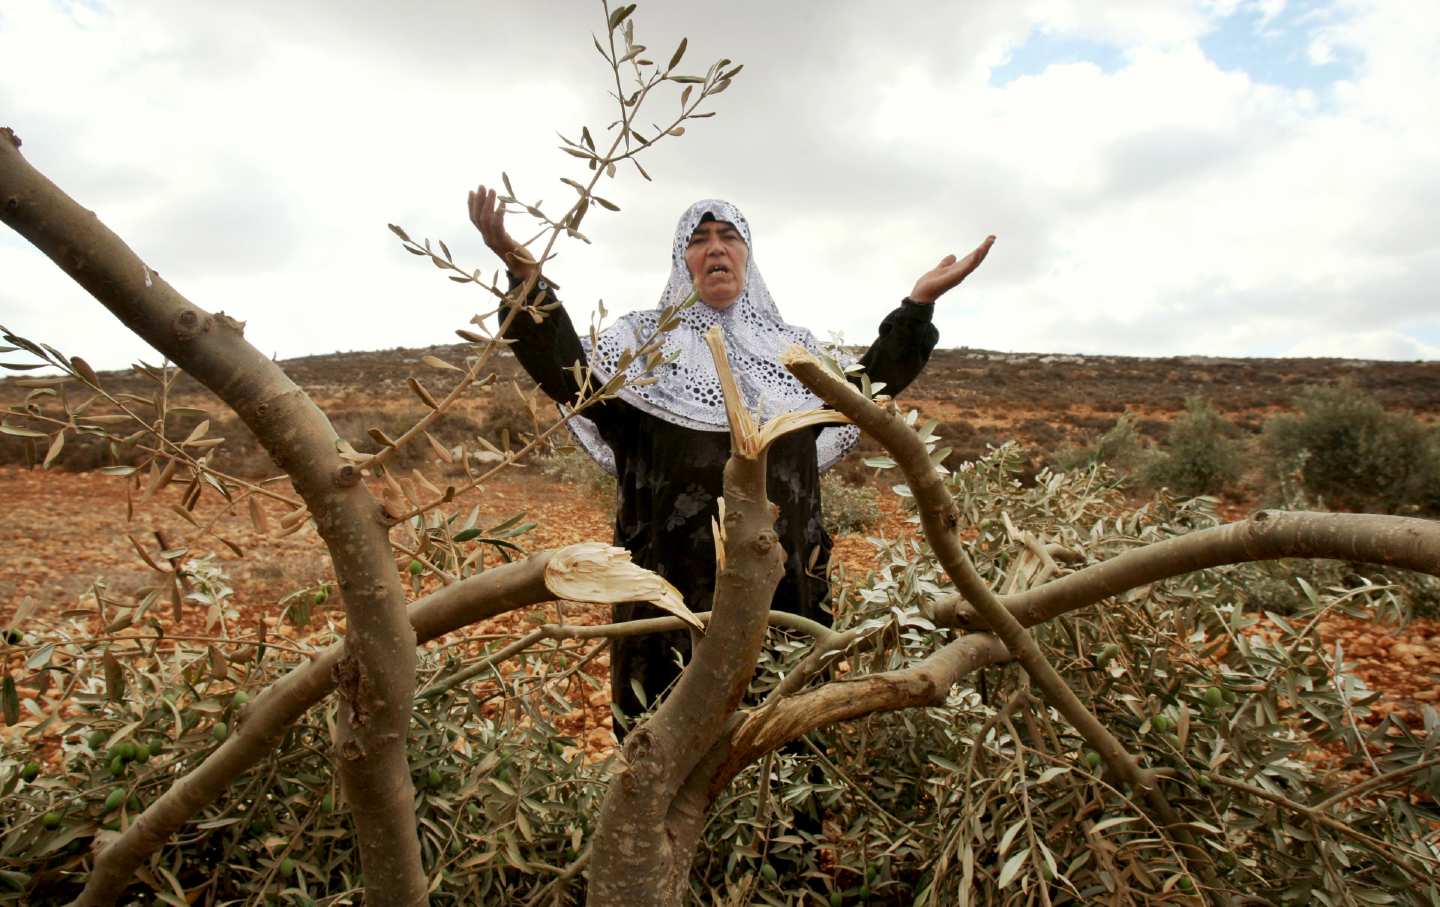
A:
{"x":64,"y":533}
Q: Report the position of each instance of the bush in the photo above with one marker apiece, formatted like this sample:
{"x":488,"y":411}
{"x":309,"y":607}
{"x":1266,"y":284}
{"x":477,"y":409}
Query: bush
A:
{"x":1121,"y":447}
{"x":511,"y":414}
{"x":491,"y":783}
{"x":572,"y":466}
{"x":847,"y":508}
{"x":1345,"y":450}
{"x":1198,"y":457}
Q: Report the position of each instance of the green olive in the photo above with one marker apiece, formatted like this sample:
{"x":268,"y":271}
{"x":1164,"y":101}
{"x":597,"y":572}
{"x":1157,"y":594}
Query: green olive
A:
{"x":30,"y":771}
{"x":1160,"y":723}
{"x":327,"y":803}
{"x":240,"y":698}
{"x":1214,"y":698}
{"x":50,"y":820}
{"x":97,"y":739}
{"x":769,"y":874}
{"x":220,"y":731}
{"x":117,"y":766}
{"x":287,"y":867}
{"x":113,"y":801}
{"x":434,"y":778}
{"x":416,"y":568}
{"x":1092,"y":758}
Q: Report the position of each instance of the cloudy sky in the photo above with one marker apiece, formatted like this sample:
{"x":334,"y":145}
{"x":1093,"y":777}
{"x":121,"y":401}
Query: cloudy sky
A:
{"x":1235,"y":177}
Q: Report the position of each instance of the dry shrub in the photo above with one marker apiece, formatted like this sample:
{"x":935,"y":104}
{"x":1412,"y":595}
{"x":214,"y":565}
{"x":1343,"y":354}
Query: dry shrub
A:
{"x":846,"y":507}
{"x":1120,"y":447}
{"x":572,"y":466}
{"x":1199,"y":457}
{"x":513,"y":414}
{"x":1345,"y":450}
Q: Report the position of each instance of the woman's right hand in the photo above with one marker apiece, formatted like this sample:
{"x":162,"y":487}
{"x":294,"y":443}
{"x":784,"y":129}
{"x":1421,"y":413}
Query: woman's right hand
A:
{"x":488,"y":216}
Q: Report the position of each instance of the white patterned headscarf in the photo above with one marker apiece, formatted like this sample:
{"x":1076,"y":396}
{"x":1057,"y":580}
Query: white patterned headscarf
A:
{"x":686,"y":391}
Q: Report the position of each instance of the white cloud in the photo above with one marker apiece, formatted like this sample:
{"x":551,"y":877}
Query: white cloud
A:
{"x":254,"y":152}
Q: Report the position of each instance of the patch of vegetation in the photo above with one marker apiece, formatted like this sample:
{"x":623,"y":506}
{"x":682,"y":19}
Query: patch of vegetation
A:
{"x":1199,"y":457}
{"x":572,"y":466}
{"x":1121,"y":447}
{"x":846,"y":507}
{"x":920,"y":807}
{"x":1344,"y":450}
{"x":511,"y":415}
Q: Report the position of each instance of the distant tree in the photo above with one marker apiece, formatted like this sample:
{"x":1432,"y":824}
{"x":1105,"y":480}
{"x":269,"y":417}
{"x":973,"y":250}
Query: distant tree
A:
{"x":1198,"y":458}
{"x":1187,"y":788}
{"x":1342,"y":447}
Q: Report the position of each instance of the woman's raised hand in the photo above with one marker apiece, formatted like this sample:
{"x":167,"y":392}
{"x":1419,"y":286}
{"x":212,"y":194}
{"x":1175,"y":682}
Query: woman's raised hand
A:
{"x":948,"y":273}
{"x":488,"y":216}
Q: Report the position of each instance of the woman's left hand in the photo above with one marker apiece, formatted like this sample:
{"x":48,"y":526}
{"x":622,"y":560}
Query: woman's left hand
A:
{"x":948,"y":273}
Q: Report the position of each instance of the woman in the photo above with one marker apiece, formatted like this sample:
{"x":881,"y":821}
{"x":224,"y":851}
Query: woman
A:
{"x":667,"y":442}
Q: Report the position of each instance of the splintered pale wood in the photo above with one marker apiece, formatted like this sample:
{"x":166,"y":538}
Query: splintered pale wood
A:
{"x":597,"y":572}
{"x":742,"y":425}
{"x":749,"y":439}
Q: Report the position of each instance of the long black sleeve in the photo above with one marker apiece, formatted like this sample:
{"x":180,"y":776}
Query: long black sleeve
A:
{"x":899,"y":354}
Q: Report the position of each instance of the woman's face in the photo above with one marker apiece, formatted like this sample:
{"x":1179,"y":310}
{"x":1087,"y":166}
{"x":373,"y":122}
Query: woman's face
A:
{"x":716,"y":257}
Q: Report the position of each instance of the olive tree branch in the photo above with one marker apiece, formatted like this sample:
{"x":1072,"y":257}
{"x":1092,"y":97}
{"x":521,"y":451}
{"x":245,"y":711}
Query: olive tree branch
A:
{"x":940,"y":520}
{"x":264,"y":719}
{"x":1317,"y":816}
{"x":1379,"y":782}
{"x":381,"y":645}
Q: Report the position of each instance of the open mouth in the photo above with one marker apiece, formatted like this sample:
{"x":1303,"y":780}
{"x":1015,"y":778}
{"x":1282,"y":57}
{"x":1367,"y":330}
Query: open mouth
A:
{"x":718,"y":269}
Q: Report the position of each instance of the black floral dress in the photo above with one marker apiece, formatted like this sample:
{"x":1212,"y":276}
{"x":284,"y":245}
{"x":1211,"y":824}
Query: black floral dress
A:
{"x":669,"y":476}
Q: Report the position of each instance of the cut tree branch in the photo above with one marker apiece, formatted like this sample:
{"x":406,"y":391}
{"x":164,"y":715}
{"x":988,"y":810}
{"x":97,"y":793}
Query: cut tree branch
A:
{"x":498,"y":590}
{"x":940,"y":519}
{"x":660,"y":754}
{"x":1395,"y":541}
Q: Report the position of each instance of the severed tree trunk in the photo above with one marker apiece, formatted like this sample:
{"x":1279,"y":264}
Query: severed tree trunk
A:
{"x":376,"y":676}
{"x":637,"y":857}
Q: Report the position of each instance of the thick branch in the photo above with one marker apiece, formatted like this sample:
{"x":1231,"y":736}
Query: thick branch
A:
{"x":1395,"y":541}
{"x":940,"y":519}
{"x":645,"y":627}
{"x":661,"y":753}
{"x":496,"y":591}
{"x":379,"y":672}
{"x":927,"y":683}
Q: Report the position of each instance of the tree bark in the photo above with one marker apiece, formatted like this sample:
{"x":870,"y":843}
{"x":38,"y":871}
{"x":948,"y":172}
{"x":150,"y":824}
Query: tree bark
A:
{"x":1370,"y":538}
{"x":377,"y":673}
{"x":635,"y":860}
